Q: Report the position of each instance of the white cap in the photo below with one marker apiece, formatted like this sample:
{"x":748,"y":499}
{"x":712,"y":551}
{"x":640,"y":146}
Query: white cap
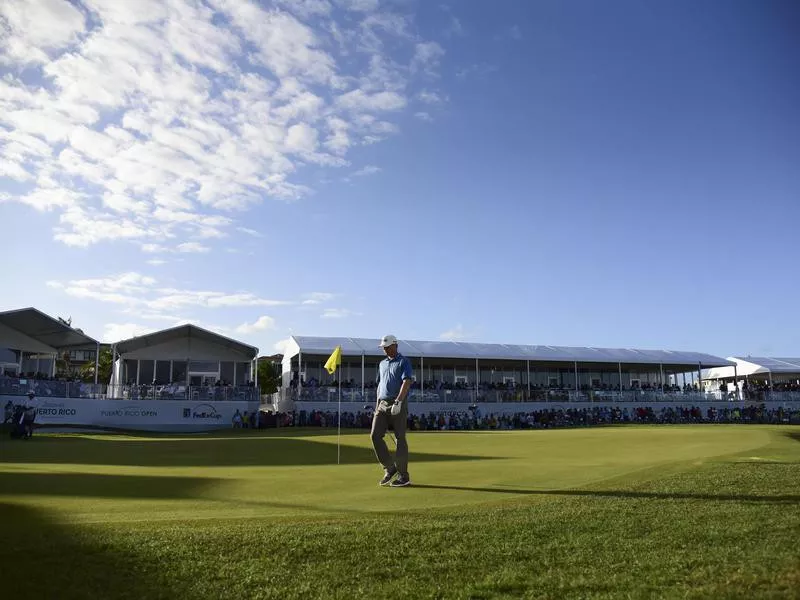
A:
{"x":387,"y":340}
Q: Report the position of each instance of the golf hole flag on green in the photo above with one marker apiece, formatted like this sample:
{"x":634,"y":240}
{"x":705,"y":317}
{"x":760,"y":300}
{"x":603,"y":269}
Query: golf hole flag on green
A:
{"x":334,"y":360}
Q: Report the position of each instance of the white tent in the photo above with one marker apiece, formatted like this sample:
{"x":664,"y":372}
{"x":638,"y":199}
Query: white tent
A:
{"x":750,"y":366}
{"x":28,"y":330}
{"x":185,"y":347}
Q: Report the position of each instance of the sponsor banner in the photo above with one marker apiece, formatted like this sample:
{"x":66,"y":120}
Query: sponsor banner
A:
{"x":156,"y":415}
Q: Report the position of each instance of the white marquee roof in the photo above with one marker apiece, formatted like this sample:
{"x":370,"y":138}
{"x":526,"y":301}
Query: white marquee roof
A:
{"x":471,"y":350}
{"x":181,"y":332}
{"x":30,"y":330}
{"x":755,"y":365}
{"x":772,"y":365}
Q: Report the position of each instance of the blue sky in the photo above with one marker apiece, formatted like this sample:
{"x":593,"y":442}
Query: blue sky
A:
{"x":620,"y":174}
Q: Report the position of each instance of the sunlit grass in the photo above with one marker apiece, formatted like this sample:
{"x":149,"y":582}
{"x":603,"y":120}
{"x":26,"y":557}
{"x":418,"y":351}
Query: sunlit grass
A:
{"x":684,"y":511}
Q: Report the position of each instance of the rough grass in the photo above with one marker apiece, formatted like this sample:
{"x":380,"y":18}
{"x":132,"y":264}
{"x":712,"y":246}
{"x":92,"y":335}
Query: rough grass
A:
{"x":631,"y":512}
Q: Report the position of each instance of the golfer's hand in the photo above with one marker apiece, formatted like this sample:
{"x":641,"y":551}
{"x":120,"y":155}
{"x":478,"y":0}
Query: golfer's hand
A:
{"x":396,"y":408}
{"x":383,"y":406}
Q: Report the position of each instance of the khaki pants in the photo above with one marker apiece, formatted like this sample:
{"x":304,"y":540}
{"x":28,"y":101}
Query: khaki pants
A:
{"x":380,"y":424}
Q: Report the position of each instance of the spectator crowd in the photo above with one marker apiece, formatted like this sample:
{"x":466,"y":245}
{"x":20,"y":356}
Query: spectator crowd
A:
{"x":467,"y":420}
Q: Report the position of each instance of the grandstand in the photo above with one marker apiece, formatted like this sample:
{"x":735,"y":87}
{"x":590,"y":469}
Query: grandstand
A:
{"x":180,"y":379}
{"x":756,"y":373}
{"x":476,"y":372}
{"x":184,"y":361}
{"x":193,"y":378}
{"x":31,"y":342}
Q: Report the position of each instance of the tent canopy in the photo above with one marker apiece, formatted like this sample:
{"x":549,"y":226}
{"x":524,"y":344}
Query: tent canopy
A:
{"x":30,"y":330}
{"x":464,"y":350}
{"x":771,"y":365}
{"x":747,"y":366}
{"x":186,"y":333}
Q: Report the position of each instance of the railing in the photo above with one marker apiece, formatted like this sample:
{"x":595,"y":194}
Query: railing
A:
{"x":10,"y":386}
{"x":331,"y":394}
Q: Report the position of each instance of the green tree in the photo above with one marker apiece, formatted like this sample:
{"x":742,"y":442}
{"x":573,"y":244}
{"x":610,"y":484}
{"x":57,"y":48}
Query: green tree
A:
{"x":104,"y":368}
{"x":269,"y":377}
{"x":63,"y":364}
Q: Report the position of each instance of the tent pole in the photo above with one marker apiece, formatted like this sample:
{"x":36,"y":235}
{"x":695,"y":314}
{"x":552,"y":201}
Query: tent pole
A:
{"x":576,"y":375}
{"x":700,"y":377}
{"x":529,"y":379}
{"x":300,"y":375}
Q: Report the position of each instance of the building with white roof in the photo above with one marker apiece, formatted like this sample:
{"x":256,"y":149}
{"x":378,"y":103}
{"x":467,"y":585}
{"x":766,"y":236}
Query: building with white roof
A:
{"x":527,"y":369}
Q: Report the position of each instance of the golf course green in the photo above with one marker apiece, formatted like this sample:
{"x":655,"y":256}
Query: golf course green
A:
{"x":630,"y":511}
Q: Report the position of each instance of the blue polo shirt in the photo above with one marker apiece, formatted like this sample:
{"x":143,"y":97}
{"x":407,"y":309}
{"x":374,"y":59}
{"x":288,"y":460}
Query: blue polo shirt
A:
{"x":391,"y":374}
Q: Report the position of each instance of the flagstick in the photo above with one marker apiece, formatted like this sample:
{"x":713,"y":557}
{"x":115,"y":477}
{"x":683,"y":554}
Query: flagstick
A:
{"x":339,"y":433}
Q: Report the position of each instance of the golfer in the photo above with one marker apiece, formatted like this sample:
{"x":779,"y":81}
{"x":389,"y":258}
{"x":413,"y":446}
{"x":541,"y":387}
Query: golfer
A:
{"x":29,"y":416}
{"x":394,"y":381}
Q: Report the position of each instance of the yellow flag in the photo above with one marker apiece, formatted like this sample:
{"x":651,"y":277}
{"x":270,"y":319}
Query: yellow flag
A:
{"x":334,"y":361}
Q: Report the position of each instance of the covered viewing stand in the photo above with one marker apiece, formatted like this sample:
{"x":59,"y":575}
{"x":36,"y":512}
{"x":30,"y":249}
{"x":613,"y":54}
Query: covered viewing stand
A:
{"x":770,"y":370}
{"x":526,"y":367}
{"x":188,"y":355}
{"x":30,"y":331}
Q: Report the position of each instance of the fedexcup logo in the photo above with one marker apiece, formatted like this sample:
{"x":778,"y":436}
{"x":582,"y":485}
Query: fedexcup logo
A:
{"x":202,"y":411}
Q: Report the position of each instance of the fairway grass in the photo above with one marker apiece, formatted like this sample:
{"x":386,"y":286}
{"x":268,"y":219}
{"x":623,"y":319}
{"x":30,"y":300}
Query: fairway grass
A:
{"x":635,"y":511}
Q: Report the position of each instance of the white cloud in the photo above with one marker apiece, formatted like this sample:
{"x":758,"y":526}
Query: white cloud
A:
{"x":358,"y":5}
{"x":378,"y":24}
{"x":427,"y":56}
{"x":429,"y":97}
{"x":156,"y":262}
{"x":307,"y":8}
{"x":261,"y":324}
{"x":116,"y":332}
{"x":454,"y":27}
{"x":81,"y":228}
{"x":455,"y":334}
{"x":154,"y":248}
{"x":317,"y":298}
{"x":358,"y":100}
{"x":367,"y":170}
{"x":172,"y":319}
{"x":301,"y":138}
{"x":338,"y":141}
{"x":251,"y":232}
{"x":423,"y":116}
{"x":39,"y":27}
{"x":153,"y":120}
{"x":192,"y":247}
{"x":284,"y":45}
{"x":281,"y":345}
{"x":48,"y":198}
{"x":337,"y":313}
{"x":134,"y":290}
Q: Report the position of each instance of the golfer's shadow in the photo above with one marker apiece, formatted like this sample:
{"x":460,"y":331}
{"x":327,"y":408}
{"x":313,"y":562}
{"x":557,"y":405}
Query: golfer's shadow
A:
{"x":629,"y":494}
